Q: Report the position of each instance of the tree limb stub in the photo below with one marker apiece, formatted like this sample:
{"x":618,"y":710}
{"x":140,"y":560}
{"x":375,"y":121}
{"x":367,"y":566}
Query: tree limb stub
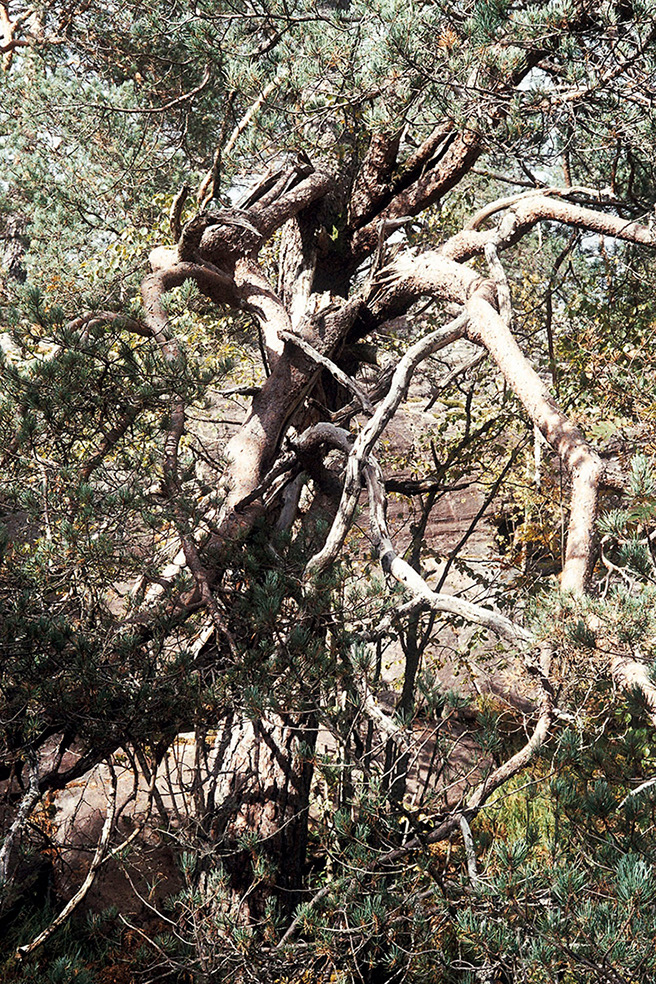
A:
{"x":428,"y":188}
{"x":29,"y":800}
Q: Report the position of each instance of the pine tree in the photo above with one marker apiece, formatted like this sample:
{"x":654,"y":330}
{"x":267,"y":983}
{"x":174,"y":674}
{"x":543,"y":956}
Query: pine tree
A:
{"x":238,"y":243}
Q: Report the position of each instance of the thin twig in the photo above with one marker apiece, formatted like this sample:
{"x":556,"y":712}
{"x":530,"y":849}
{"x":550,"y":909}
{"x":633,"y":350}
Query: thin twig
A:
{"x":155,"y":110}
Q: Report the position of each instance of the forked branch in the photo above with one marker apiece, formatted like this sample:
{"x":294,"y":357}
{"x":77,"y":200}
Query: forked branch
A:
{"x":370,"y":433}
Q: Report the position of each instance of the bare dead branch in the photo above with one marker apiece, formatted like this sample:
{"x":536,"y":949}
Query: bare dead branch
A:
{"x":101,"y":849}
{"x":345,"y":380}
{"x":453,"y":375}
{"x":175,"y":214}
{"x":470,"y":851}
{"x":201,"y":576}
{"x":254,"y":108}
{"x":139,"y":828}
{"x":281,"y":466}
{"x":498,"y":274}
{"x":372,"y":709}
{"x":27,"y":804}
{"x":372,"y":185}
{"x":402,"y":572}
{"x":209,"y":187}
{"x":369,"y":435}
{"x":483,"y":790}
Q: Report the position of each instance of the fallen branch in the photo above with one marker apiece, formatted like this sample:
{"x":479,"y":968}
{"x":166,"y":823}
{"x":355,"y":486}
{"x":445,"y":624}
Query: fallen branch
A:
{"x":25,"y":951}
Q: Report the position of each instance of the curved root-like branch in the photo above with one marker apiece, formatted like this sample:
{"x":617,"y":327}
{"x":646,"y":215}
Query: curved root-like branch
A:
{"x":435,"y":273}
{"x":258,"y":297}
{"x":432,"y":273}
{"x":585,"y":467}
{"x":501,"y":204}
{"x":92,"y":319}
{"x":370,"y":433}
{"x":524,"y":213}
{"x":402,"y":572}
{"x":169,"y":273}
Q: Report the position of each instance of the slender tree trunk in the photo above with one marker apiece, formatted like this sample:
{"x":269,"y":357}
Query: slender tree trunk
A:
{"x":258,"y":810}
